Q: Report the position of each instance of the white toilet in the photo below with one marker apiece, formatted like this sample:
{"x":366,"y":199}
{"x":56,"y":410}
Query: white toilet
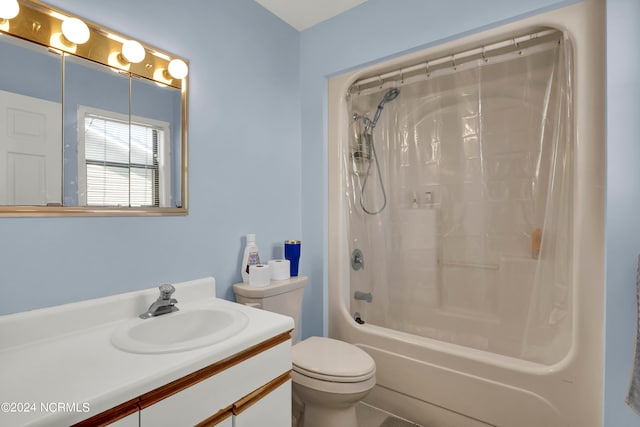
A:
{"x":329,"y":376}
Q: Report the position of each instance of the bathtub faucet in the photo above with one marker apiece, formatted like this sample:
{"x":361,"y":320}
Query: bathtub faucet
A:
{"x":357,"y":259}
{"x":164,"y":304}
{"x":364,"y":296}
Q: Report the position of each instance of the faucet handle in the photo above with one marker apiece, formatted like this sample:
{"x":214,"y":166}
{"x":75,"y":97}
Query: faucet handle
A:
{"x":166,"y":290}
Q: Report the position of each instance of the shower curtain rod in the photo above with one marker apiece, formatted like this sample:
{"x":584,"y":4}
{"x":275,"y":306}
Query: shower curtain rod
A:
{"x":456,"y":59}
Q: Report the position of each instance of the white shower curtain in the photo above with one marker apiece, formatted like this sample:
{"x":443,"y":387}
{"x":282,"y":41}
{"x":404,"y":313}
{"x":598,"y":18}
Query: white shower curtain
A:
{"x":473,"y":245}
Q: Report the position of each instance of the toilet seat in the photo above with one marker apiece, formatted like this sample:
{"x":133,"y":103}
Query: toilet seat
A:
{"x":334,"y":388}
{"x":326,"y":359}
{"x":331,"y":378}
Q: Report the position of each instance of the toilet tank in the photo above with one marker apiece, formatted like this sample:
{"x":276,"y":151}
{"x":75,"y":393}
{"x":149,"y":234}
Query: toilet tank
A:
{"x":281,"y":296}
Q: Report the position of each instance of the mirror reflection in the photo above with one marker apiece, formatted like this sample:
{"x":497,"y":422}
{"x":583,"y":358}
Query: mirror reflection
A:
{"x":93,"y":93}
{"x":81,"y":136}
{"x":156,"y":117}
{"x":30,"y":120}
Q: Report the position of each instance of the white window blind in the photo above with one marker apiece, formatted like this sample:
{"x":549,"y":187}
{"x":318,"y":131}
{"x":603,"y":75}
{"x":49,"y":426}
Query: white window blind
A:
{"x":122,"y":165}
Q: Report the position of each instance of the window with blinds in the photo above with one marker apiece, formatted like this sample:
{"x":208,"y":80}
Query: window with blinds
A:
{"x":121,"y":161}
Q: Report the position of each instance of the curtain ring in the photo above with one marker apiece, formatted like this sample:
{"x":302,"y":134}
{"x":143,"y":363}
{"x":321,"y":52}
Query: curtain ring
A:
{"x":453,"y":62}
{"x":401,"y":76}
{"x":427,"y":70}
{"x":381,"y":81}
{"x":484,"y":57}
{"x":517,"y":45}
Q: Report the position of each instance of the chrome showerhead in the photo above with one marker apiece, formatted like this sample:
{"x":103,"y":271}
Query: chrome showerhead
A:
{"x":389,"y":96}
{"x":369,"y":124}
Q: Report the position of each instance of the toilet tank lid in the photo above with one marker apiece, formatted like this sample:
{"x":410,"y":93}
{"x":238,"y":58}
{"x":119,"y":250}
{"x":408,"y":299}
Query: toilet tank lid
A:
{"x":330,"y":357}
{"x":274,"y":288}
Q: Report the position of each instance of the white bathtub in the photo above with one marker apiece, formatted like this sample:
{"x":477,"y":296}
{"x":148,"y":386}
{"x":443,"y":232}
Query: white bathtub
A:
{"x":441,"y":384}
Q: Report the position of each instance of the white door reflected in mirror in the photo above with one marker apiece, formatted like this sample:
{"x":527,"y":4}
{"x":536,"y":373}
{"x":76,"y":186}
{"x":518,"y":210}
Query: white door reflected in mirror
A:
{"x":30,"y":151}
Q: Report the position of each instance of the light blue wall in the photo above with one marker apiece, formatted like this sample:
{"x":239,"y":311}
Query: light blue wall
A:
{"x":244,"y":164}
{"x":623,"y":204}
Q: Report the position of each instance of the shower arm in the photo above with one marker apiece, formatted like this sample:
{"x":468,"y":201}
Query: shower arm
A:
{"x":368,"y":123}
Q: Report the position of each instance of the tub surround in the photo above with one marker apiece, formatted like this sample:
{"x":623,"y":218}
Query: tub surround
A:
{"x":430,"y":381}
{"x":64,"y":354}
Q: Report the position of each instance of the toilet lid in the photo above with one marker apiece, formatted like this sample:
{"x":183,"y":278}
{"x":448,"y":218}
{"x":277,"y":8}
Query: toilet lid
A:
{"x":332,"y":360}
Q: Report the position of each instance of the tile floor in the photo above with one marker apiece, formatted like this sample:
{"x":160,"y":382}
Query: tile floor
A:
{"x":369,"y":416}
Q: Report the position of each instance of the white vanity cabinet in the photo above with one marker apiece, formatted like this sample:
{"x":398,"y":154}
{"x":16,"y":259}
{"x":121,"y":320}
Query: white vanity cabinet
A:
{"x":251,"y":388}
{"x":224,"y":390}
{"x":132,"y":420}
{"x":241,"y":380}
{"x":272,"y":410}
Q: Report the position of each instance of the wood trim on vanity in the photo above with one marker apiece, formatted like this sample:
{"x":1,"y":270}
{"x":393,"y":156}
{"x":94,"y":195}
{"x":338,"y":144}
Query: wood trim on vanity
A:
{"x":216,"y":418}
{"x":180,"y":384}
{"x":127,"y":408}
{"x":111,"y":415}
{"x":256,"y":395}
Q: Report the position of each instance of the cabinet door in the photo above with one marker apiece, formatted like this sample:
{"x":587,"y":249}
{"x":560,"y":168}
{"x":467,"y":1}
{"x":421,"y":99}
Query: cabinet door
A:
{"x":226,"y":423}
{"x":272,"y":410}
{"x":216,"y":393}
{"x":132,"y":420}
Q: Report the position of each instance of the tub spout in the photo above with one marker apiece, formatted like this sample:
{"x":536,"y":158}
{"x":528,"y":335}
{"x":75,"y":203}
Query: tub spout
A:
{"x":364,"y":296}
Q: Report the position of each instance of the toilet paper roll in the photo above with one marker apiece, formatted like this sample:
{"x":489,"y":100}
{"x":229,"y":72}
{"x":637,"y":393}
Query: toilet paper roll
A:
{"x":280,"y":269}
{"x":259,"y":275}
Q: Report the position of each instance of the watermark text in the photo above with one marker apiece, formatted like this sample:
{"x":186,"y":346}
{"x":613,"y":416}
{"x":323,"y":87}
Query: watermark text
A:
{"x":44,"y":407}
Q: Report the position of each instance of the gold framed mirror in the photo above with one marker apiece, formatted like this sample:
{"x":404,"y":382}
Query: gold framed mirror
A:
{"x":91,"y":122}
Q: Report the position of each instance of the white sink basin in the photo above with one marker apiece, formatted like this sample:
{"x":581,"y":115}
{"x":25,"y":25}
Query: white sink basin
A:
{"x":179,"y":331}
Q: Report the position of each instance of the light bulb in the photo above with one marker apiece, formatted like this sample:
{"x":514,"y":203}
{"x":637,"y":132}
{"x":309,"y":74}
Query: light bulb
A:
{"x":133,"y":51}
{"x":178,"y":69}
{"x":9,"y":9}
{"x":75,"y":30}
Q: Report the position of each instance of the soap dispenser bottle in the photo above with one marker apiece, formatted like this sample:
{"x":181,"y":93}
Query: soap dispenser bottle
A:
{"x":250,"y":257}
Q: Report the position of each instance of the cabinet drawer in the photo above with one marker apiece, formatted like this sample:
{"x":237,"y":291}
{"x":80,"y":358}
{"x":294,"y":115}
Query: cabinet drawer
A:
{"x":129,"y":421}
{"x":215,"y":393}
{"x":271,"y":410}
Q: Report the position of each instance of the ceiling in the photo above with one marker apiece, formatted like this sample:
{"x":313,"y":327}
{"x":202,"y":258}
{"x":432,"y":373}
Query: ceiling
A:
{"x":302,"y":14}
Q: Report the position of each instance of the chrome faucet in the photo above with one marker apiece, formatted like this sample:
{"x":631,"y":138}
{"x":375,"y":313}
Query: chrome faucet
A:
{"x":363,"y":296}
{"x":357,"y":259}
{"x":164,"y":304}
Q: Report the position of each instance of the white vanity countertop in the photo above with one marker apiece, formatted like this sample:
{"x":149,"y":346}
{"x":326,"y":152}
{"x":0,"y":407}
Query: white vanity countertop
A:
{"x":58,"y":366}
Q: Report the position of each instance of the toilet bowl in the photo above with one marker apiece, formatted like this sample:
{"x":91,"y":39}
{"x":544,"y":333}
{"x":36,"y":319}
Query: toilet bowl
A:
{"x":329,"y":376}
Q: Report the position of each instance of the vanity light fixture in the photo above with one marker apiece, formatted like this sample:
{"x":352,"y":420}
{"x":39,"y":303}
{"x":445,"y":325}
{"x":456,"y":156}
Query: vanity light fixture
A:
{"x":9,"y":9}
{"x":162,"y":77}
{"x":178,"y":69}
{"x":75,"y":30}
{"x":132,"y":52}
{"x":37,"y":22}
